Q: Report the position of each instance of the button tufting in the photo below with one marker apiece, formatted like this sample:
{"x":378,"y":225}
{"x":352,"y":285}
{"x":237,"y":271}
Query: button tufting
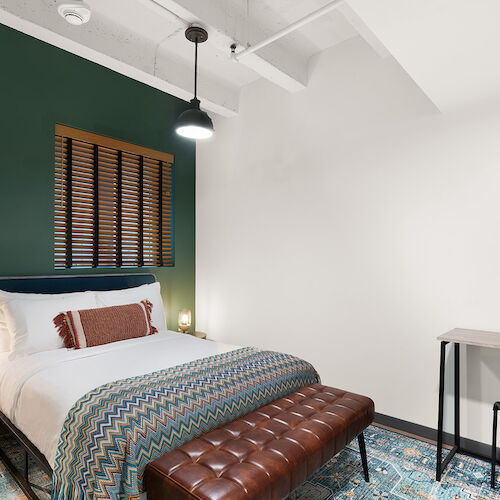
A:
{"x":265,"y":454}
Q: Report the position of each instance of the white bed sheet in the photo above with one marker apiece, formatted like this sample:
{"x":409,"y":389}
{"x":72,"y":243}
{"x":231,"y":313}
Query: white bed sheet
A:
{"x":37,"y":391}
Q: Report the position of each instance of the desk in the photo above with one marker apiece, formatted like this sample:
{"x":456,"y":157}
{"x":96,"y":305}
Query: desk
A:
{"x":457,"y":336}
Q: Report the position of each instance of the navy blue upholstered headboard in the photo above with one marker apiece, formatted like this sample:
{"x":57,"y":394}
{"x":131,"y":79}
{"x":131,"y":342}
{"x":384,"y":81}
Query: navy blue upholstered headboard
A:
{"x":65,"y":284}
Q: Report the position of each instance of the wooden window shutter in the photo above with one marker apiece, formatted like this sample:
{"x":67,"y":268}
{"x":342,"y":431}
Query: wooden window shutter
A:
{"x":113,"y":203}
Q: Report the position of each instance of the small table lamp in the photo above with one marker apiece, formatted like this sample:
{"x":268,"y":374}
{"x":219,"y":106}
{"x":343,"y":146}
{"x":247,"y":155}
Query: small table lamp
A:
{"x":184,"y":321}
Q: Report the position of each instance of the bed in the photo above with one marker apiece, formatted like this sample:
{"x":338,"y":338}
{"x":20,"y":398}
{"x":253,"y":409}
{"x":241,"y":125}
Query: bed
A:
{"x":39,"y":392}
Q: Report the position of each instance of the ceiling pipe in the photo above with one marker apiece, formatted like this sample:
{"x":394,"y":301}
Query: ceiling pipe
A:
{"x":285,"y":31}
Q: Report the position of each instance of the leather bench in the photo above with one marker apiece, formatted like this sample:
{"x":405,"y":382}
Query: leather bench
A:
{"x":267,"y":453}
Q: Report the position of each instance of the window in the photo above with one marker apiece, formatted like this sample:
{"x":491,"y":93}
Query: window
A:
{"x":113,"y":203}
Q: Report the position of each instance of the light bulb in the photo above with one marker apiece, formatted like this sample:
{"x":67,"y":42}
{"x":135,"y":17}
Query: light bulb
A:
{"x":194,"y":132}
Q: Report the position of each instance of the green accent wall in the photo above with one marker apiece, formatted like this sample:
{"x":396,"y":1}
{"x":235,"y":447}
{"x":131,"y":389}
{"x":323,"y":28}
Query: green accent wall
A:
{"x":41,"y":85}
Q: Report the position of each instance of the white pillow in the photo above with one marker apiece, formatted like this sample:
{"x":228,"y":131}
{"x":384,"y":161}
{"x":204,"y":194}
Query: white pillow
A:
{"x":6,"y":296}
{"x":149,"y":292}
{"x":31,"y":321}
{"x":4,"y":333}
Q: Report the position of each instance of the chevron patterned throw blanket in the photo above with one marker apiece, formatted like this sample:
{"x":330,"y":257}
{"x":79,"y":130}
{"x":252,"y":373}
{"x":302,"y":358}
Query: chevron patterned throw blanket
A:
{"x":114,"y":431}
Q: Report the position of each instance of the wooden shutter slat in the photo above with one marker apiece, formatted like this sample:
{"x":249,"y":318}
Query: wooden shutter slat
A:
{"x":113,"y":206}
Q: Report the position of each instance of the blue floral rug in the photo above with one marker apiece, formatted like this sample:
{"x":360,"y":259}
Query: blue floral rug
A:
{"x":400,"y":468}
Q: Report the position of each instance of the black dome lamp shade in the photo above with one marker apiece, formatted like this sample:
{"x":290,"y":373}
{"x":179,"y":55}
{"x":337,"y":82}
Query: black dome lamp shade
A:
{"x":195,"y":123}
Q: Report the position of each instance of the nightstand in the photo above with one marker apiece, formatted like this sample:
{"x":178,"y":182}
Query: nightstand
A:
{"x":199,"y":335}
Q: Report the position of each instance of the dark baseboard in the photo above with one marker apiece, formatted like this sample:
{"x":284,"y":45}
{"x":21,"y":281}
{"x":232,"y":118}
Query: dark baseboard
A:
{"x":468,"y":446}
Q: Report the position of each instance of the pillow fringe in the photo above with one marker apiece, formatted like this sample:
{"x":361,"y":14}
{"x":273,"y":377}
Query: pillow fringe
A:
{"x":64,"y":330}
{"x":149,"y":308}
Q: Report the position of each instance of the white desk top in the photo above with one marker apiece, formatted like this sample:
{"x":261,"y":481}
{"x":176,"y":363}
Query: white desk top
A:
{"x":472,"y":337}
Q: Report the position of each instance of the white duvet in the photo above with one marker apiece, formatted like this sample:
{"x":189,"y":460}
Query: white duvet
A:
{"x":37,"y":391}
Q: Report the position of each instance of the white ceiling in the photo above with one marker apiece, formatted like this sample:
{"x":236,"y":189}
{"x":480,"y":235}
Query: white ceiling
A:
{"x":274,"y":15}
{"x":449,"y":47}
{"x":145,"y":40}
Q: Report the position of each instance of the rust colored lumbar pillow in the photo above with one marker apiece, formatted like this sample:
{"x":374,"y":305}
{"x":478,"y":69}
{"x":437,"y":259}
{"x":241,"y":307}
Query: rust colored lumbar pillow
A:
{"x":91,"y":327}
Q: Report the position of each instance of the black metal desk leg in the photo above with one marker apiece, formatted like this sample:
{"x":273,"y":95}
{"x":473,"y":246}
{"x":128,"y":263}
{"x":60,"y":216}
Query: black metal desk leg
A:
{"x":496,"y":407}
{"x":440,"y":411}
{"x":457,"y":395}
{"x":441,"y":464}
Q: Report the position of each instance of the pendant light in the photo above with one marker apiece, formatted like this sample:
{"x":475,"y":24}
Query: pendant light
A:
{"x":195,"y":123}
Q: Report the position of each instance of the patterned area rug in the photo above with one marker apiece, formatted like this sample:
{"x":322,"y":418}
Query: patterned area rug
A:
{"x":400,"y":468}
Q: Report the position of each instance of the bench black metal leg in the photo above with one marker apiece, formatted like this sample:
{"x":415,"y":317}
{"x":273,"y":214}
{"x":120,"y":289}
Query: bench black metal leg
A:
{"x":364,"y":461}
{"x":496,"y":407}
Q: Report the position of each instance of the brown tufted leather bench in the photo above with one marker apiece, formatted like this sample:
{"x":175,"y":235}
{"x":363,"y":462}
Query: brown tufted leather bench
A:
{"x":267,"y":453}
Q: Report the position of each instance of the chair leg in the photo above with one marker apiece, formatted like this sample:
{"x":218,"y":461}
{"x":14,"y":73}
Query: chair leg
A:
{"x":364,"y":461}
{"x":496,"y":407}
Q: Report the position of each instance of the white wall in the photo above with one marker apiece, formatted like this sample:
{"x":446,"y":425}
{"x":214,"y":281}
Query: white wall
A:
{"x":350,"y":224}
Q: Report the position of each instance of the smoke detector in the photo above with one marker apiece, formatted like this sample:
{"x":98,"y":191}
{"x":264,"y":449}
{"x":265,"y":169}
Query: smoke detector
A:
{"x":76,"y":13}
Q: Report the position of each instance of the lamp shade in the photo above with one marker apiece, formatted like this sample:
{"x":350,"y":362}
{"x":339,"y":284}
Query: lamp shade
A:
{"x":194,"y":123}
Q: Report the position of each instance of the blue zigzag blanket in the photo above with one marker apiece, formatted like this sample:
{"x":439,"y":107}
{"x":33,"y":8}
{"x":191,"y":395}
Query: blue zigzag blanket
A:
{"x":114,"y":431}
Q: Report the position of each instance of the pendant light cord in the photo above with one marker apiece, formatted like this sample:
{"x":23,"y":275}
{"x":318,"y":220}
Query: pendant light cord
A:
{"x":196,"y":69}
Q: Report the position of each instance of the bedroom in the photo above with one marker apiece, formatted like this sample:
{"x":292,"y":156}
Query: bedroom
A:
{"x":344,"y":212}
